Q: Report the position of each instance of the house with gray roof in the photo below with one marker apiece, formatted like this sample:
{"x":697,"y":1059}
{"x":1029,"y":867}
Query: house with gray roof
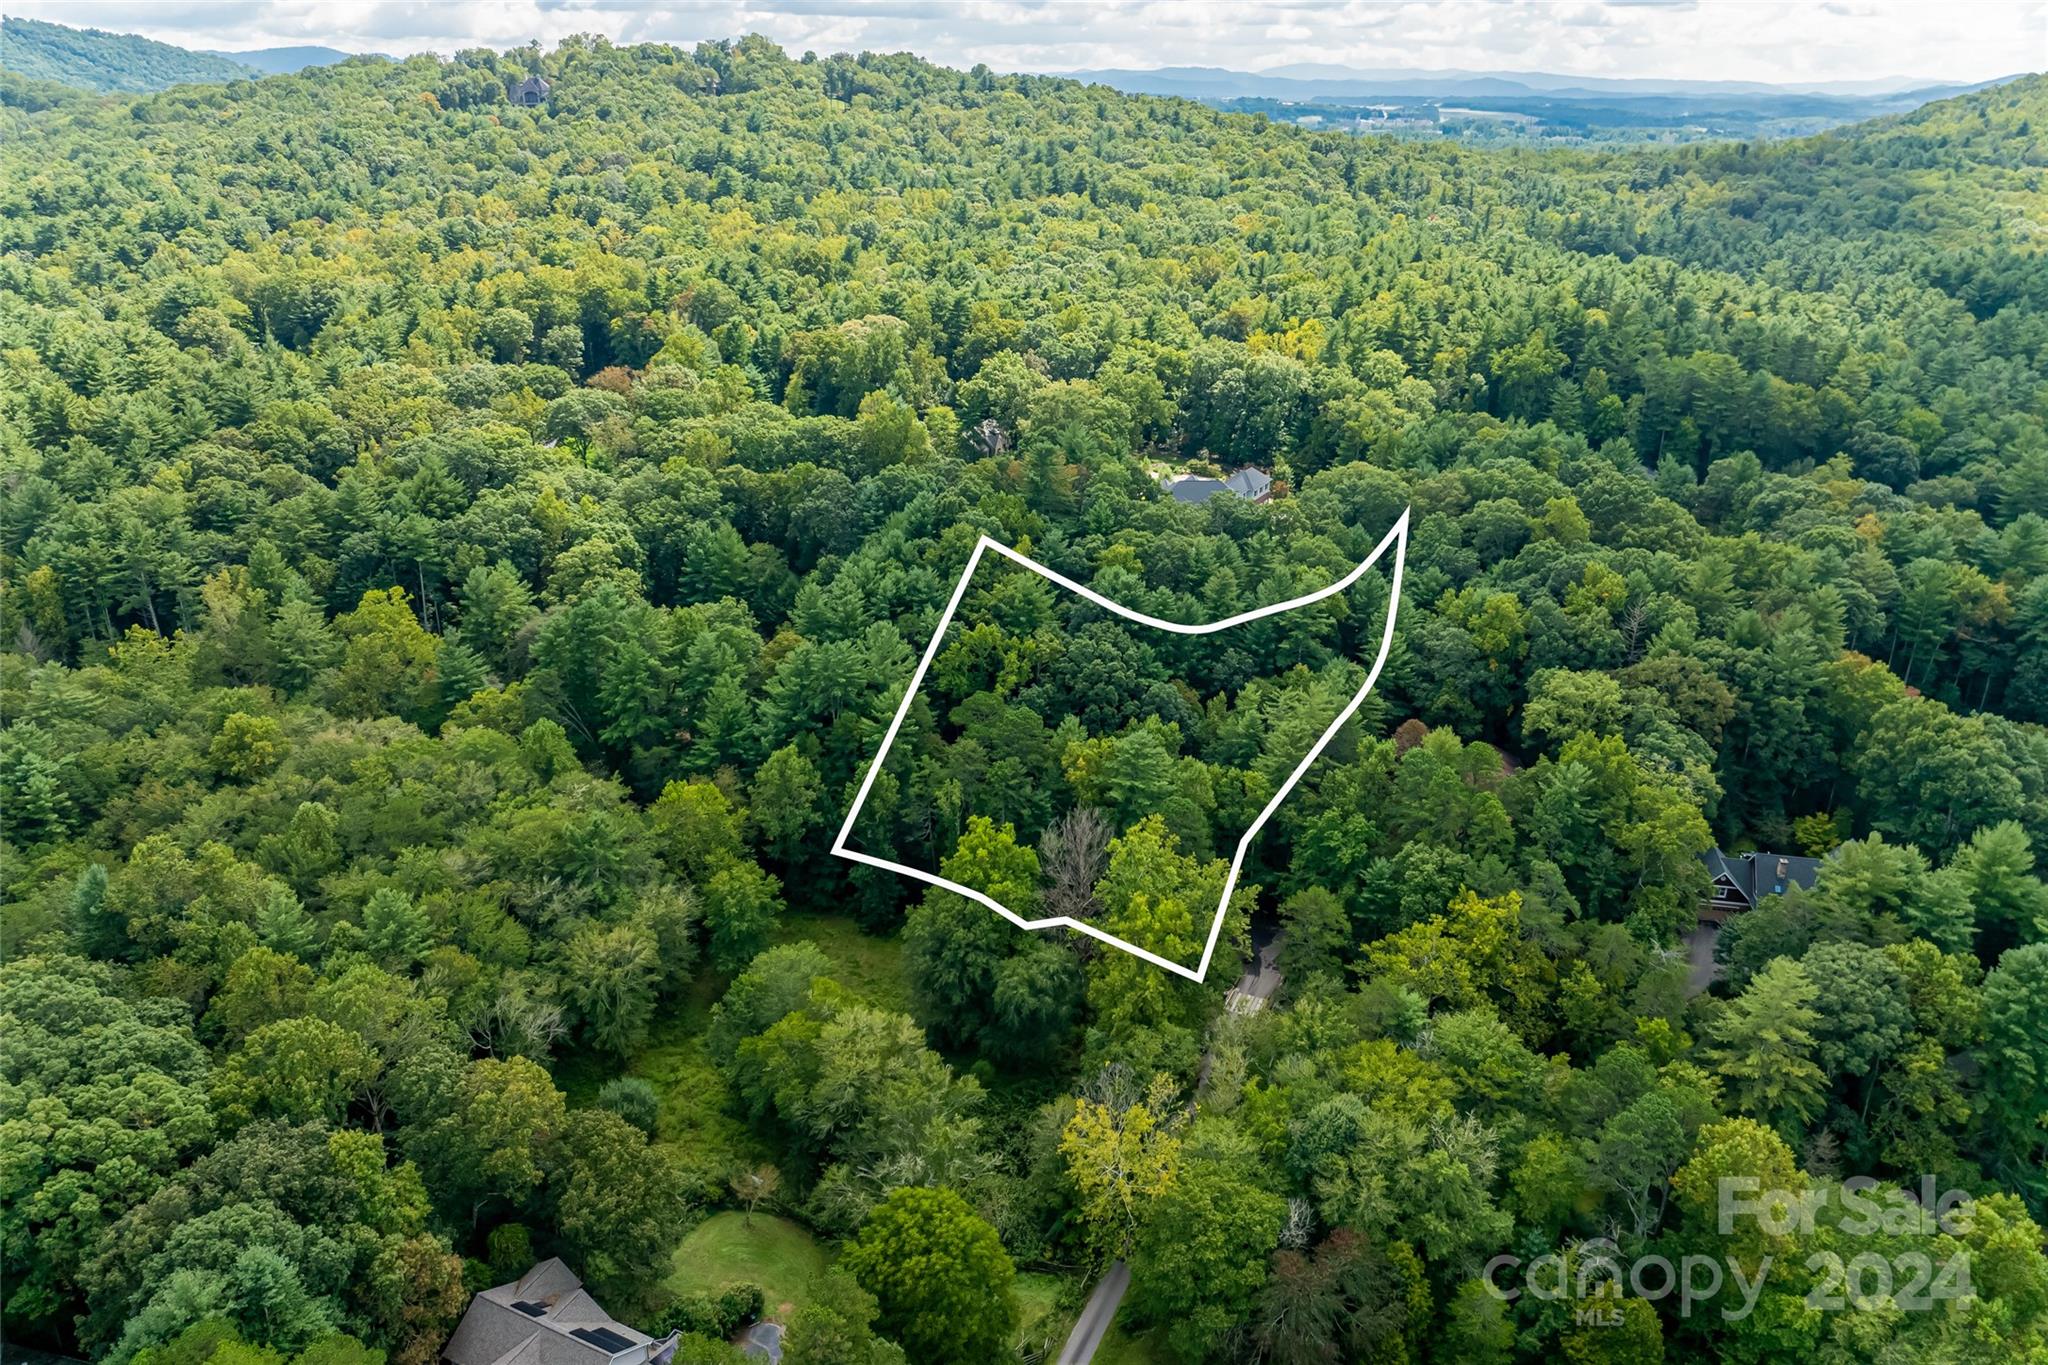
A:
{"x":1255,"y":485}
{"x":546,"y":1317}
{"x":1738,"y":881}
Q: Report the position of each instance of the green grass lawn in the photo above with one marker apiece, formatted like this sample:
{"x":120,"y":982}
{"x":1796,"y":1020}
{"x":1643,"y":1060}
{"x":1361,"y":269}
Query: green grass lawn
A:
{"x":695,"y":1114}
{"x":1121,"y":1348}
{"x":1041,"y":1318}
{"x":697,"y":1118}
{"x":774,"y":1253}
{"x":871,"y":966}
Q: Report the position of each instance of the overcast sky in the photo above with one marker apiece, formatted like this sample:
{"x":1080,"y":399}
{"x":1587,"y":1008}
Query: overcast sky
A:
{"x":1959,"y":40}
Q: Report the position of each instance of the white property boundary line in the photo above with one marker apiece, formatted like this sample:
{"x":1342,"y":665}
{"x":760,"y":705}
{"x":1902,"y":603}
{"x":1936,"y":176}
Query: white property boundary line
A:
{"x":1397,"y":537}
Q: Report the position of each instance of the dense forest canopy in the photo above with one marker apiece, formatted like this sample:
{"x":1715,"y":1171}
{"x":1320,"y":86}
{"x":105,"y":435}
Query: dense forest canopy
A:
{"x":456,"y":559}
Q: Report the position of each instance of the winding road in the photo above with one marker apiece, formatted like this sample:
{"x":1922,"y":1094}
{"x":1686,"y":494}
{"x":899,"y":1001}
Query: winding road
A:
{"x":1250,"y":995}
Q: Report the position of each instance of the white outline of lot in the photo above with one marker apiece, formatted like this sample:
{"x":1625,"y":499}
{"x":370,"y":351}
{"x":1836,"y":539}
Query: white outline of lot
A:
{"x":1397,"y":537}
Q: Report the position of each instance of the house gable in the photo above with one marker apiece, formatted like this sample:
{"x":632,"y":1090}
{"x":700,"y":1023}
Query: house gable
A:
{"x":1726,"y":895}
{"x":545,"y":1317}
{"x":1741,"y":881}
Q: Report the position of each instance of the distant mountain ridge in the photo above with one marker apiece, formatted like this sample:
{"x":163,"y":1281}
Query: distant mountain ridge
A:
{"x":94,"y":59}
{"x":90,"y":59}
{"x":1620,"y":85}
{"x":128,"y":63}
{"x":1312,"y":81}
{"x":283,"y":61}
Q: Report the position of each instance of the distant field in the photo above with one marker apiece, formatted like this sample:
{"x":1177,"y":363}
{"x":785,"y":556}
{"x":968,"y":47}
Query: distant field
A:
{"x":774,"y":1253}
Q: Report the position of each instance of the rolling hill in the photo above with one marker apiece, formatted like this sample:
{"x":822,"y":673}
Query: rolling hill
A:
{"x":283,"y":61}
{"x":90,"y":59}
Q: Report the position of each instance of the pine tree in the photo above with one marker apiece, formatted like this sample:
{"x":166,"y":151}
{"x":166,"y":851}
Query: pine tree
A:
{"x":284,"y":926}
{"x":459,"y":674}
{"x":1765,"y":1046}
{"x":396,"y":930}
{"x":99,"y":932}
{"x":724,"y":729}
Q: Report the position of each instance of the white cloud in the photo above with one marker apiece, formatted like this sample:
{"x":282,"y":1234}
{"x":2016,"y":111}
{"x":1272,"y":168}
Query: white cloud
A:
{"x":1699,"y":39}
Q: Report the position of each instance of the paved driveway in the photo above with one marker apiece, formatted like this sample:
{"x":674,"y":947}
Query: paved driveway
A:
{"x":1096,"y":1317}
{"x":1702,"y":971}
{"x":1262,"y":977}
{"x":763,"y":1341}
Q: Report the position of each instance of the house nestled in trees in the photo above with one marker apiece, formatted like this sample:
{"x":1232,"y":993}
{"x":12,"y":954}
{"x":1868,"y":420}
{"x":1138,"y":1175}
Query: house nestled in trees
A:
{"x":546,"y":1317}
{"x":531,"y":92}
{"x":1740,"y":880}
{"x":1253,"y":484}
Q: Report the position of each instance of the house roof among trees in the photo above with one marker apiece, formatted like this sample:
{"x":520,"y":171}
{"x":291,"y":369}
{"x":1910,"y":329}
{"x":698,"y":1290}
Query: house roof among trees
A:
{"x":1246,"y":483}
{"x":1762,"y":873}
{"x":1250,"y":483}
{"x":545,"y":1317}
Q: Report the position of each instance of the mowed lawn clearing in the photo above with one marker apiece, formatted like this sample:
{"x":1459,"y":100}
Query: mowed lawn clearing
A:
{"x":697,"y":1117}
{"x":774,"y":1253}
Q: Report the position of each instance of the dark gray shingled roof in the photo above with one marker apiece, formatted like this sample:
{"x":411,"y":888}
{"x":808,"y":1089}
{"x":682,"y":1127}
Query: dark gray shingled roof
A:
{"x":1757,"y":875}
{"x":1246,"y":483}
{"x":1250,"y":483}
{"x":502,"y":1326}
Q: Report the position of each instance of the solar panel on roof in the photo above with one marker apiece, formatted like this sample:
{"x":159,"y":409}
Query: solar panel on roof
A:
{"x":530,"y":1308}
{"x":604,"y":1338}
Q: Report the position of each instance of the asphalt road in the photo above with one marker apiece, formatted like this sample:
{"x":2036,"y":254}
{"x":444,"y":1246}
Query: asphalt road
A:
{"x":1096,"y":1317}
